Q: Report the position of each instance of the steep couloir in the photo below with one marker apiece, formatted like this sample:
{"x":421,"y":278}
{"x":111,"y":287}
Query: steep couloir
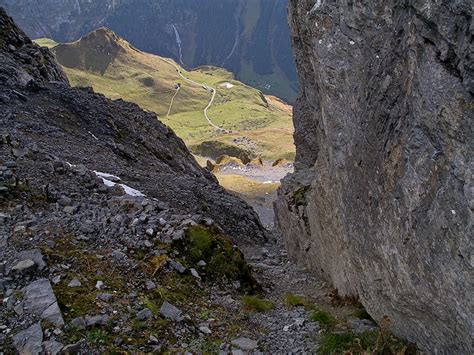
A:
{"x":382,"y":198}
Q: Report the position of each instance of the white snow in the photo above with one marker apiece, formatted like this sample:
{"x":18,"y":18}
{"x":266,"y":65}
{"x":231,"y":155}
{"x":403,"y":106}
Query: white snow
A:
{"x":107,"y":182}
{"x":227,"y":85}
{"x":316,"y":6}
{"x":107,"y":176}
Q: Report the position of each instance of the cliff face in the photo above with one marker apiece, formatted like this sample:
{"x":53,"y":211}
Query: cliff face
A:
{"x":382,"y":198}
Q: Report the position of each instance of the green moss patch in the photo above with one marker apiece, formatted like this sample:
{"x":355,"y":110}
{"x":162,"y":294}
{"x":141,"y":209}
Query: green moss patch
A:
{"x":224,"y":261}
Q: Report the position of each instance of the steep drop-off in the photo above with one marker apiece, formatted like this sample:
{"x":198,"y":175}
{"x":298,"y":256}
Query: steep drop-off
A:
{"x":40,"y":109}
{"x":382,"y":198}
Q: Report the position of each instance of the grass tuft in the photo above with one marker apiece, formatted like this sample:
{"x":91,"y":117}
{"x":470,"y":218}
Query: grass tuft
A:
{"x":373,"y":343}
{"x":323,"y":318}
{"x":257,"y":304}
{"x":292,"y":300}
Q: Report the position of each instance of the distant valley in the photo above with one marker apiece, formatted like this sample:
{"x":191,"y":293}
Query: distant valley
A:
{"x":240,"y":121}
{"x":248,"y":37}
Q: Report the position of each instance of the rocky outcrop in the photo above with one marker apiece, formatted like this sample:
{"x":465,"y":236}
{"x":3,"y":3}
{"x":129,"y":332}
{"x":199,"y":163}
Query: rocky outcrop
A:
{"x":382,"y":198}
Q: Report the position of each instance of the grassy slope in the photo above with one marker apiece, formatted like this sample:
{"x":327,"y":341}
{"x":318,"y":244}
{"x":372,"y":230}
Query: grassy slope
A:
{"x":46,"y":42}
{"x":150,"y":80}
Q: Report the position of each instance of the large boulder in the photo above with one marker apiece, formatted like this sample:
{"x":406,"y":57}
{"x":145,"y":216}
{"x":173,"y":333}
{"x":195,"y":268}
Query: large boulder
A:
{"x":382,"y":198}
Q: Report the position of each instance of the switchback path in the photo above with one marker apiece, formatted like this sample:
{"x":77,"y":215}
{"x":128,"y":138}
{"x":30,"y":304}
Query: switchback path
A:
{"x":172,"y":100}
{"x":207,"y":87}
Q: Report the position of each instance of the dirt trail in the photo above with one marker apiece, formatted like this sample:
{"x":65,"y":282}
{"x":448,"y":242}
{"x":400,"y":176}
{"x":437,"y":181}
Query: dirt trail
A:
{"x":205,"y":86}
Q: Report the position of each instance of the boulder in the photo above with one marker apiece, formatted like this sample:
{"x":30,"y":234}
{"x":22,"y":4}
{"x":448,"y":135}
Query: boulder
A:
{"x":29,"y":341}
{"x":39,"y":299}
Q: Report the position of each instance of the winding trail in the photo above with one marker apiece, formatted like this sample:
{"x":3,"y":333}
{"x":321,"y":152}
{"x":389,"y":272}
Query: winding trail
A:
{"x":205,"y":86}
{"x":172,"y":100}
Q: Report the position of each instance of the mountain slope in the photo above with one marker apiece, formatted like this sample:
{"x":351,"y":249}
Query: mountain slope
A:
{"x":248,"y":37}
{"x":244,"y":117}
{"x":112,"y":238}
{"x":110,"y":136}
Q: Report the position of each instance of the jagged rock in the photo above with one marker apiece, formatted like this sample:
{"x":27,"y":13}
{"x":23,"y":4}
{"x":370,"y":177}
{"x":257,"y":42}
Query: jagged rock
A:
{"x":379,"y":201}
{"x":79,"y":323}
{"x":169,"y":311}
{"x":245,"y":344}
{"x":98,"y":320}
{"x":52,"y":347}
{"x":29,"y":341}
{"x":40,"y":300}
{"x":144,"y":314}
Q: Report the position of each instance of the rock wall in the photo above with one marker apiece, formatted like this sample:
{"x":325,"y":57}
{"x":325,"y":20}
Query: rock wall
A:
{"x":382,"y":199}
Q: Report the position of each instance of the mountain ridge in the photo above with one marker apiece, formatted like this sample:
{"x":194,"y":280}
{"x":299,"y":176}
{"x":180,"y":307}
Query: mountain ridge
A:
{"x":239,"y":115}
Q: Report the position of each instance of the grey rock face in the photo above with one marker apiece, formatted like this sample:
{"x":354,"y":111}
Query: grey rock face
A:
{"x":381,"y":200}
{"x":40,"y":300}
{"x":29,"y":341}
{"x":169,"y":311}
{"x":245,"y":344}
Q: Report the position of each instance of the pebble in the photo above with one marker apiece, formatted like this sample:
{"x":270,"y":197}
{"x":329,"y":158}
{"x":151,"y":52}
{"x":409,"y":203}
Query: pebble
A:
{"x":99,"y":285}
{"x":201,"y":263}
{"x":195,"y":274}
{"x":205,"y":330}
{"x":144,"y":314}
{"x":74,"y":283}
{"x":106,"y":297}
{"x":150,"y":285}
{"x":245,"y":344}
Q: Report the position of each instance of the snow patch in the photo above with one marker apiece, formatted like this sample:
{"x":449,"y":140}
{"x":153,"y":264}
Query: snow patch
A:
{"x":226,"y":85}
{"x":110,"y":180}
{"x":316,"y":6}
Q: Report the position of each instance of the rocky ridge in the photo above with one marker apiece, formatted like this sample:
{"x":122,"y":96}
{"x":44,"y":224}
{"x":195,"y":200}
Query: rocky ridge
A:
{"x":381,"y":202}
